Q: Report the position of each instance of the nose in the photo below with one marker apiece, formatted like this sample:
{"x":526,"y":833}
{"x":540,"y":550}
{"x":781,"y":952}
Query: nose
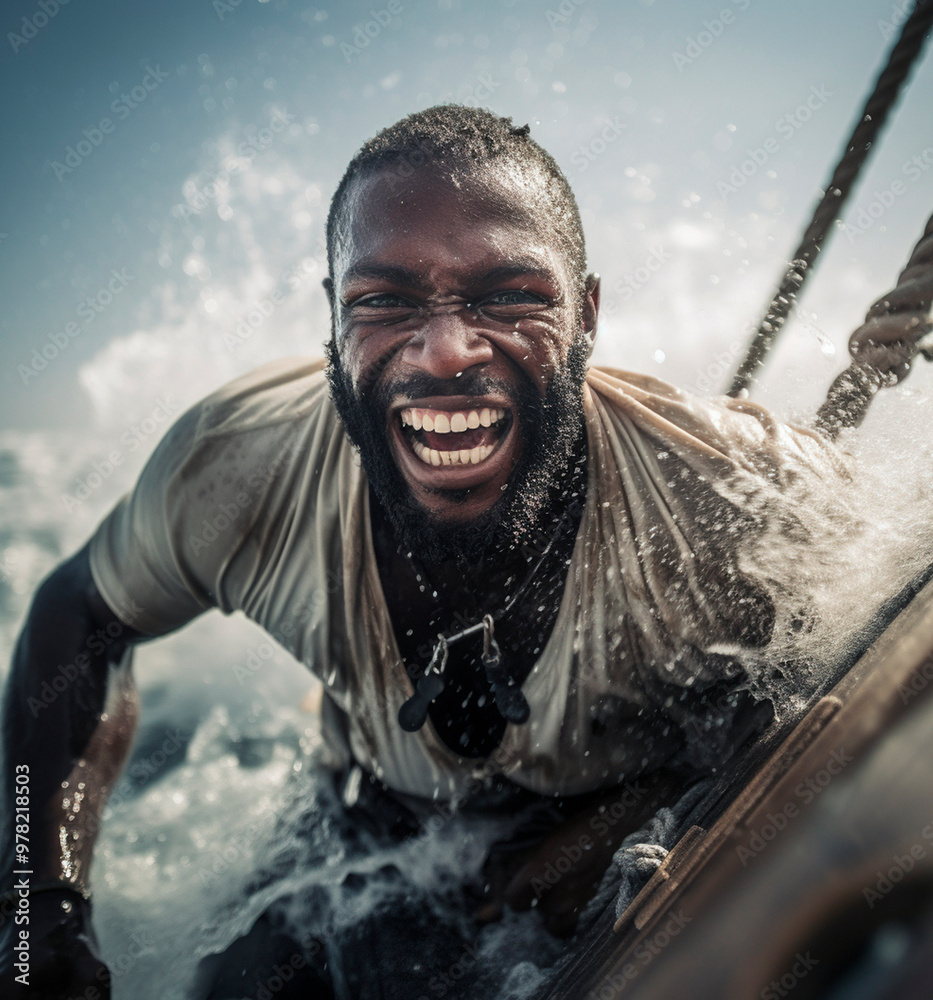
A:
{"x":447,"y":345}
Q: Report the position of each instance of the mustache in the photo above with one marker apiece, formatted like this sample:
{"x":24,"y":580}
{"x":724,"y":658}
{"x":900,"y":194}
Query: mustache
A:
{"x":420,"y":385}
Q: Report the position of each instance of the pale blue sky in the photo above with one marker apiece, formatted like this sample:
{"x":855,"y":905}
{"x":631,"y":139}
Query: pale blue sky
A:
{"x":678,"y":131}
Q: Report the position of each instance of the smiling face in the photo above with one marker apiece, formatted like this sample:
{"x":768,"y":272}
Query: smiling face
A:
{"x":459,"y":347}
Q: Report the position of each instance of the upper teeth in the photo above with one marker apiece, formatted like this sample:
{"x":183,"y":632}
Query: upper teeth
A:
{"x":447,"y":423}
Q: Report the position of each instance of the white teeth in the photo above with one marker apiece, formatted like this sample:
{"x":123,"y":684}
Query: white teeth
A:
{"x":471,"y":456}
{"x":447,"y":423}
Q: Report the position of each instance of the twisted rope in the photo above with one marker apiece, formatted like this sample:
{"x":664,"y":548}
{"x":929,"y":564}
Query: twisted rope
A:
{"x":896,"y":328}
{"x":871,"y":121}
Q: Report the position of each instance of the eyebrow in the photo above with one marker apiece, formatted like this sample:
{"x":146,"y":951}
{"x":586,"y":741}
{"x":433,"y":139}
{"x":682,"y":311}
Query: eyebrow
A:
{"x":386,"y":272}
{"x":518,"y":269}
{"x":397,"y":275}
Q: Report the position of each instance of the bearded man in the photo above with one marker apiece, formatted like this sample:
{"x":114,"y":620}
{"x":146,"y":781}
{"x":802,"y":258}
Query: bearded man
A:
{"x":512,"y":569}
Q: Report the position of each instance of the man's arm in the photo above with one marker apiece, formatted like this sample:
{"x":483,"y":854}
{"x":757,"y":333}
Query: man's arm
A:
{"x":69,"y":717}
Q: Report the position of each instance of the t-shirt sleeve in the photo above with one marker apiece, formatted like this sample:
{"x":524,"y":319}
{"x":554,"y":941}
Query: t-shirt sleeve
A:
{"x":207,"y":516}
{"x":136,"y":560}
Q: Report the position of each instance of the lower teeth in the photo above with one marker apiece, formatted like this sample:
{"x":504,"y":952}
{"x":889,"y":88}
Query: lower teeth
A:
{"x":473,"y":456}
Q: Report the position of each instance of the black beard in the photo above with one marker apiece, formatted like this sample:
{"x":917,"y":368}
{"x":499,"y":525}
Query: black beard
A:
{"x":551,"y":429}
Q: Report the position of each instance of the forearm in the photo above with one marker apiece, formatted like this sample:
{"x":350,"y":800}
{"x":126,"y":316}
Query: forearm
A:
{"x":69,"y":716}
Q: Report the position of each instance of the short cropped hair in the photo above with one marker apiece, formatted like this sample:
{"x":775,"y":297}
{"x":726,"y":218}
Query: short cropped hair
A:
{"x":463,"y":139}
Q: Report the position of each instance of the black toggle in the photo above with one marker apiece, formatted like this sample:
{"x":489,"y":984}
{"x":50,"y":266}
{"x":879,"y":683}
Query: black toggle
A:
{"x":414,"y":712}
{"x":510,"y":700}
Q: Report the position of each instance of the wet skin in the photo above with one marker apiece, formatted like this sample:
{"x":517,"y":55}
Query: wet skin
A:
{"x":445,"y":279}
{"x":441,"y":279}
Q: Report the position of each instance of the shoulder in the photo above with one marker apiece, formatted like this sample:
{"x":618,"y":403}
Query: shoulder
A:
{"x":722,"y":435}
{"x":253,"y":418}
{"x":279,"y":393}
{"x":249,"y":444}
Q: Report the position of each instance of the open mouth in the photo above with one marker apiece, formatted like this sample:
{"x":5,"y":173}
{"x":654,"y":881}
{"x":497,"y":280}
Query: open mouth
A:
{"x":466,"y":437}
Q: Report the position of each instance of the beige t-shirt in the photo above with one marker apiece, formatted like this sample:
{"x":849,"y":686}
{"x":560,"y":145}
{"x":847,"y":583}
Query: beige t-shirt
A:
{"x":256,"y":501}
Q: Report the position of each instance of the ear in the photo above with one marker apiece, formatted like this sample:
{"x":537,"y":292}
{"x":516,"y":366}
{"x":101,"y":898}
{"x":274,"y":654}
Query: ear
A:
{"x":590,"y":308}
{"x":329,"y":289}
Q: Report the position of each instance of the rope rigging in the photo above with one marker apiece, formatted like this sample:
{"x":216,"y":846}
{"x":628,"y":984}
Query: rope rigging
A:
{"x":884,"y":96}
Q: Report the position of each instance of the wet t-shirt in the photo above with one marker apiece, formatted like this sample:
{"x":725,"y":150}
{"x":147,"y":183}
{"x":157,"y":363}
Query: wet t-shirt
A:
{"x":255,"y":501}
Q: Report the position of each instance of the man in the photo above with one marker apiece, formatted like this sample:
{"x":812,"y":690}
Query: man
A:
{"x":508,"y":564}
